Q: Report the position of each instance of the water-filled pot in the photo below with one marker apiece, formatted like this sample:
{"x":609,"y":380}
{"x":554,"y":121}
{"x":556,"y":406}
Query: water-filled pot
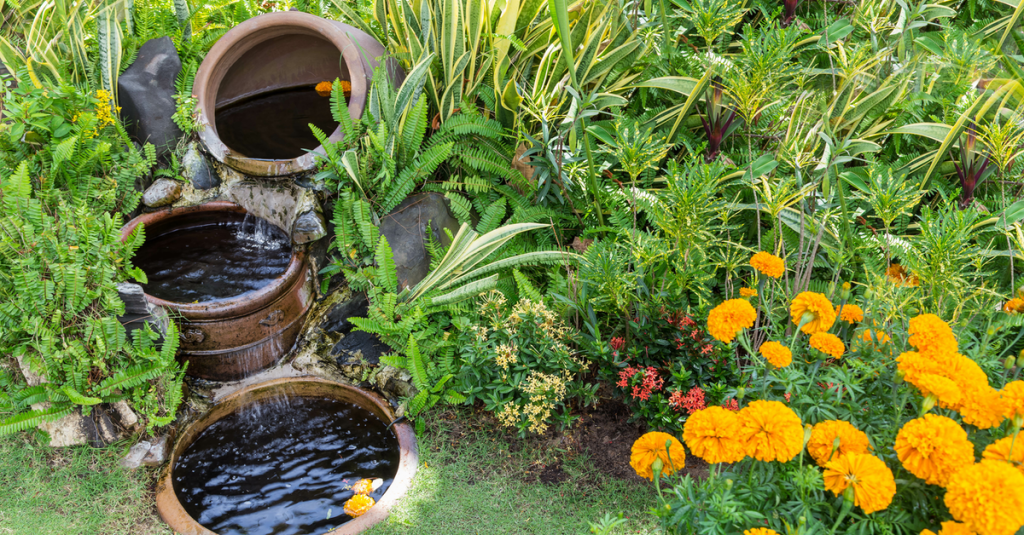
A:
{"x":256,"y":89}
{"x":237,"y":333}
{"x":171,"y":503}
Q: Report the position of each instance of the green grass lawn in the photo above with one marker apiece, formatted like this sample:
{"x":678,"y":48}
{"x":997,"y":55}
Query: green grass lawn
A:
{"x":472,"y":479}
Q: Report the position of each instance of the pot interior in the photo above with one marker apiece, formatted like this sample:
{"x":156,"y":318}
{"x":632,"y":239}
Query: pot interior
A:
{"x":210,"y":256}
{"x":267,"y":97}
{"x":282,"y":460}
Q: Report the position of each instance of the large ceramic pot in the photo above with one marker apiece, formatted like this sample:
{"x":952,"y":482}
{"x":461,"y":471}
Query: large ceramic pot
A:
{"x":232,"y":338}
{"x":171,"y":509}
{"x":255,"y":89}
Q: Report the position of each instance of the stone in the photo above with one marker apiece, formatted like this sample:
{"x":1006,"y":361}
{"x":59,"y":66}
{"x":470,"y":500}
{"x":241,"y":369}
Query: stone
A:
{"x":133,"y":459}
{"x":405,"y":228}
{"x":395,"y":382}
{"x":159,"y":451}
{"x":308,"y":227}
{"x":134,"y":298}
{"x":146,"y":95}
{"x":97,"y":429}
{"x":336,"y":319}
{"x":126,"y":417}
{"x":196,"y":168}
{"x":162,"y":193}
{"x":359,"y":347}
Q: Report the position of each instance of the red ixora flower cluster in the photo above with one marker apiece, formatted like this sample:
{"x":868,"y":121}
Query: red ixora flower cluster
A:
{"x":691,"y":337}
{"x":732,"y":405}
{"x":617,"y":343}
{"x":692,"y":401}
{"x":650,"y":383}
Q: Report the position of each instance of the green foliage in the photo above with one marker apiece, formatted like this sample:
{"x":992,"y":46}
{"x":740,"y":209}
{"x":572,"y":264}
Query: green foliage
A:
{"x":61,"y":255}
{"x":518,"y":364}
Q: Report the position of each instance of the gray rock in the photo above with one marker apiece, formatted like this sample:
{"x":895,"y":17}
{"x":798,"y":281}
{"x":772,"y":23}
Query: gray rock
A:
{"x":309,"y":226}
{"x":134,"y":298}
{"x":159,"y":451}
{"x":405,"y":228}
{"x":146,"y":95}
{"x":197,"y":169}
{"x":163,"y":192}
{"x":395,"y":382}
{"x":336,"y":319}
{"x":359,"y":347}
{"x":133,"y":459}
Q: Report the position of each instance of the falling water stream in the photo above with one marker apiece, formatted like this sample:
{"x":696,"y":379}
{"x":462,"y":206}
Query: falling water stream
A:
{"x":210,"y":259}
{"x":283,"y":466}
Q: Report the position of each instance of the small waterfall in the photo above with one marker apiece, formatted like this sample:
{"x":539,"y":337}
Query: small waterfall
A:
{"x":259,"y":233}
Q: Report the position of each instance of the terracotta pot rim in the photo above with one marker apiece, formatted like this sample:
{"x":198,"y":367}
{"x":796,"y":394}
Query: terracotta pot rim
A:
{"x":231,"y":307}
{"x":172,"y":512}
{"x":239,"y":40}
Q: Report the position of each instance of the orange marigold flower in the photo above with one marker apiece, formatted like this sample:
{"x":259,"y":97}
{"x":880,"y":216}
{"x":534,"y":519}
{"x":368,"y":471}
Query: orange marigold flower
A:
{"x":1014,"y":306}
{"x":771,"y":431}
{"x":760,"y":531}
{"x":828,"y":344}
{"x":982,"y":407}
{"x":850,"y":313}
{"x":711,"y":434}
{"x":951,"y":528}
{"x":872,"y":481}
{"x":823,"y":439}
{"x":898,"y":275}
{"x":933,"y":448}
{"x":363,"y":486}
{"x":943,"y":389}
{"x":777,"y":354}
{"x":931,"y":336}
{"x":1013,"y":399}
{"x":1000,"y":451}
{"x":358,"y":505}
{"x":820,"y":314}
{"x":768,"y":264}
{"x":729,"y":318}
{"x":988,"y":497}
{"x":651,"y":446}
{"x":324,"y":89}
{"x":878,"y":337}
{"x":748,"y":292}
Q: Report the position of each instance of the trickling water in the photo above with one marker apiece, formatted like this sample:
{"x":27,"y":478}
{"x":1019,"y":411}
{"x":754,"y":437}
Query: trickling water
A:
{"x":281,"y":472}
{"x":275,"y":125}
{"x":211,"y":259}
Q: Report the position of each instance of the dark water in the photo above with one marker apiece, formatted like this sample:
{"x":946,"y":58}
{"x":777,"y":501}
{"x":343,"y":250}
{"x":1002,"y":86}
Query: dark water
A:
{"x":281,"y":468}
{"x":275,"y":126}
{"x":213,"y":258}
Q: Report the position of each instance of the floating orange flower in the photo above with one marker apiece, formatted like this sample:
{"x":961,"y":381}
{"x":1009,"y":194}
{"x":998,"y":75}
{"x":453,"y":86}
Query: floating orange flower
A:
{"x":768,"y":264}
{"x":931,"y":336}
{"x":933,"y":448}
{"x":850,"y":313}
{"x":651,"y":446}
{"x":943,"y":389}
{"x":872,"y":481}
{"x":1013,"y":399}
{"x":358,"y":505}
{"x":816,"y":309}
{"x":1014,"y":306}
{"x":988,"y":497}
{"x":777,"y":354}
{"x":770,"y":431}
{"x":823,"y":439}
{"x":363,"y":486}
{"x":951,"y":528}
{"x":711,"y":434}
{"x":324,"y":89}
{"x":760,"y":531}
{"x":748,"y":292}
{"x":729,"y":318}
{"x":1000,"y":451}
{"x":828,"y":344}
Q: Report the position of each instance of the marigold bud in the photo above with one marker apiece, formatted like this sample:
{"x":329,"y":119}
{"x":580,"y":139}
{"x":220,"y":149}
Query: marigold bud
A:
{"x":1010,"y":363}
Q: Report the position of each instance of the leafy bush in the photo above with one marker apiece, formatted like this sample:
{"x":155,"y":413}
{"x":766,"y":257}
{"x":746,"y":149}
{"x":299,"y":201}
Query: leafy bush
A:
{"x":520,"y":366}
